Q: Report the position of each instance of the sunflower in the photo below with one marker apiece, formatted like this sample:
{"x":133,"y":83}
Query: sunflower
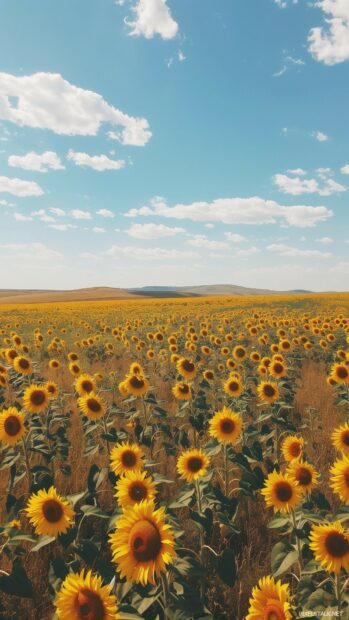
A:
{"x":226,"y":426}
{"x":12,"y":427}
{"x":22,"y":365}
{"x":136,"y":385}
{"x":52,"y":389}
{"x":134,"y":487}
{"x":49,"y":513}
{"x":83,"y":597}
{"x":330,"y":544}
{"x":126,"y":457}
{"x":92,"y":406}
{"x":85,"y":384}
{"x":303,"y":473}
{"x":73,"y":357}
{"x":182,"y":391}
{"x":340,"y":478}
{"x":142,"y":543}
{"x":340,"y":373}
{"x":233,"y":386}
{"x":270,"y":600}
{"x":136,"y":369}
{"x":268,"y":392}
{"x":54,"y":364}
{"x":36,"y":398}
{"x":239,"y":352}
{"x":277,"y":369}
{"x":186,"y":368}
{"x":208,"y":375}
{"x":340,"y":438}
{"x":281,"y":492}
{"x":292,"y":447}
{"x":192,"y":464}
{"x":74,"y":369}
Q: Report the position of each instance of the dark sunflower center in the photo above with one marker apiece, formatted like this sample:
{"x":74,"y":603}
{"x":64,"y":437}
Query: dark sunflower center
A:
{"x":184,"y":389}
{"x":138,"y":492}
{"x":240,"y":352}
{"x":37,"y":397}
{"x":87,"y":386}
{"x":24,"y":364}
{"x":89,"y":606}
{"x":209,"y":375}
{"x":128,"y":458}
{"x":278,"y":368}
{"x":12,"y":426}
{"x":269,"y":390}
{"x":295,"y":449}
{"x":73,"y":357}
{"x":145,"y":541}
{"x":285,"y":345}
{"x":52,"y":511}
{"x":227,"y":426}
{"x":195,"y":464}
{"x":304,"y":476}
{"x":337,"y":544}
{"x":273,"y":611}
{"x":75,"y":368}
{"x":188,"y":366}
{"x":342,"y":372}
{"x":13,"y":354}
{"x":345,"y":438}
{"x":346,"y":477}
{"x":233,"y":386}
{"x":136,"y":382}
{"x":283,"y":491}
{"x":94,"y":405}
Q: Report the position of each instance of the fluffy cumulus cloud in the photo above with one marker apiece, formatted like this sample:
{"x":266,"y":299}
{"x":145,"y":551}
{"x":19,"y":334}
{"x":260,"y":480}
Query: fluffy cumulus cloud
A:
{"x":96,"y":162}
{"x":20,"y":187}
{"x":320,"y":136}
{"x":235,"y":237}
{"x":48,"y":101}
{"x":330,"y":43}
{"x":152,"y":17}
{"x":345,"y":169}
{"x":30,"y":251}
{"x":78,"y":214}
{"x":295,"y":185}
{"x":325,"y":240}
{"x":48,"y":160}
{"x":201,"y":241}
{"x":235,"y":211}
{"x":153,"y":231}
{"x":148,"y":253}
{"x":105,"y":213}
{"x":286,"y":250}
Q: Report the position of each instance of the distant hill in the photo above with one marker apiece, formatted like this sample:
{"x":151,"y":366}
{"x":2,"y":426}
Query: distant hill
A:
{"x":18,"y":296}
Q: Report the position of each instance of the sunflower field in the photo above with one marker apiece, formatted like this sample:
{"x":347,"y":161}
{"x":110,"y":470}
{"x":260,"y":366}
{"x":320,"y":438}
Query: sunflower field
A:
{"x":183,"y":459}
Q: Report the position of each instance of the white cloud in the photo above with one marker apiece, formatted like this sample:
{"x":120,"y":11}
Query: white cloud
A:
{"x":48,"y":101}
{"x":201,"y":241}
{"x":325,"y":240}
{"x":148,"y":253}
{"x":78,"y":214}
{"x":48,"y":160}
{"x":236,"y":211}
{"x":96,"y":162}
{"x":152,"y":17}
{"x":105,"y":213}
{"x":320,"y":136}
{"x":297,"y":186}
{"x":31,"y":251}
{"x":331,"y":45}
{"x":42,"y":215}
{"x":345,"y":169}
{"x":62,"y":227}
{"x":19,"y":217}
{"x":283,"y":4}
{"x":98,"y":229}
{"x":153,"y":231}
{"x":286,"y":250}
{"x":19,"y":187}
{"x":298,"y":171}
{"x":58,"y":212}
{"x":248,"y":252}
{"x":235,"y":237}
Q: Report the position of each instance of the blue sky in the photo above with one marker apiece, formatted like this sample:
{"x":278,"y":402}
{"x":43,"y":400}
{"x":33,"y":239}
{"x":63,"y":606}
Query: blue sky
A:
{"x":174,"y":143}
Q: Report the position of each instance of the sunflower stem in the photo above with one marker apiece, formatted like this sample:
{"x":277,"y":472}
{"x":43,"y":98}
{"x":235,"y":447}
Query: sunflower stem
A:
{"x":27,"y":463}
{"x":106,"y":433}
{"x":338,"y":591}
{"x":198,"y":496}
{"x":226,"y":470}
{"x":299,"y":547}
{"x":166,"y":593}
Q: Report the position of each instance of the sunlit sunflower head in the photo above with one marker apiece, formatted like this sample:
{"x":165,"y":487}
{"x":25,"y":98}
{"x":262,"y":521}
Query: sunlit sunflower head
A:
{"x":126,"y":457}
{"x":182,"y":391}
{"x":239,"y":352}
{"x":186,"y":368}
{"x":340,"y":373}
{"x":233,"y":387}
{"x":208,"y":375}
{"x":303,"y":473}
{"x":134,"y":487}
{"x":340,"y":478}
{"x":49,"y":513}
{"x":85,"y":384}
{"x":36,"y":398}
{"x":268,"y":392}
{"x":52,"y":389}
{"x":12,"y":427}
{"x":142,"y":544}
{"x":330,"y":545}
{"x":83,"y":597}
{"x":277,"y":369}
{"x":22,"y":365}
{"x":192,"y":464}
{"x":281,"y":492}
{"x":73,"y":357}
{"x":226,"y":426}
{"x":292,"y":447}
{"x":54,"y":364}
{"x":136,"y":369}
{"x":255,"y":357}
{"x":340,"y":438}
{"x":270,"y":600}
{"x":136,"y":385}
{"x":74,"y":369}
{"x":92,"y":406}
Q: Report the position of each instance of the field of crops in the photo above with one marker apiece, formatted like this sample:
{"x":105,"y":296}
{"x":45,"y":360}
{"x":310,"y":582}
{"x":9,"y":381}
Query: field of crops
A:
{"x":178,"y":460}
